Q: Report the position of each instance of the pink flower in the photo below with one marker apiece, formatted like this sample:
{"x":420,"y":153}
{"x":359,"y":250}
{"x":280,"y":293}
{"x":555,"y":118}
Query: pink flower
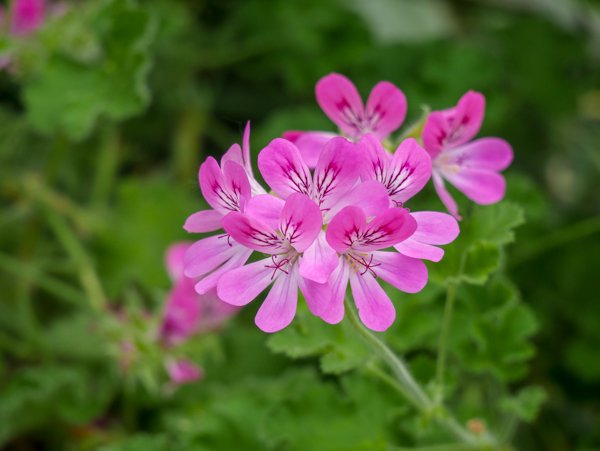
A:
{"x":285,"y":238}
{"x":340,"y":101}
{"x":186,"y":312}
{"x":359,"y":243}
{"x":334,"y":185}
{"x":183,"y":371}
{"x":471,"y":166}
{"x":404,"y":174}
{"x":226,"y":189}
{"x":26,"y":16}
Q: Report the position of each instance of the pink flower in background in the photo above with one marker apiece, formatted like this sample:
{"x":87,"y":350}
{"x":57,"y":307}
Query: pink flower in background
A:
{"x":472,"y":166}
{"x":26,"y":16}
{"x":404,"y":174}
{"x":284,"y":239}
{"x":339,"y":99}
{"x":183,"y":371}
{"x":186,"y":312}
{"x":359,"y":241}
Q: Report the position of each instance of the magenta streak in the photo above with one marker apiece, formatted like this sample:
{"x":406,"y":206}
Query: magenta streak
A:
{"x":368,"y":265}
{"x":226,"y":235}
{"x":229,"y":201}
{"x":285,"y":229}
{"x":324,"y":190}
{"x":394,"y":183}
{"x":278,"y":265}
{"x":300,"y":182}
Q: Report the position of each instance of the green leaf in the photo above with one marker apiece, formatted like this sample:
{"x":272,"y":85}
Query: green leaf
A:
{"x":526,"y":404}
{"x":69,"y":96}
{"x":339,"y":345}
{"x":497,"y":327}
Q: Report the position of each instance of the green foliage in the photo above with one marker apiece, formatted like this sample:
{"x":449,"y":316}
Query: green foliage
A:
{"x":110,"y":84}
{"x":526,"y":404}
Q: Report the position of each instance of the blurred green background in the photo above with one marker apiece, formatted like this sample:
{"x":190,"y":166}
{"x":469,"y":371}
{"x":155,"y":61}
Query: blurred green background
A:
{"x":105,"y":115}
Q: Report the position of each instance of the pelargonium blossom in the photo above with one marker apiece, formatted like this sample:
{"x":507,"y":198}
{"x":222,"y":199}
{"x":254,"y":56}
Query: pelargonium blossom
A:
{"x":284,"y":239}
{"x":404,"y":174}
{"x":26,"y":16}
{"x":360,"y":243}
{"x":339,"y":99}
{"x":472,"y":166}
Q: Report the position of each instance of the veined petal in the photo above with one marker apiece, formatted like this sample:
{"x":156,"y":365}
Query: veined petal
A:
{"x":494,"y":154}
{"x":319,"y":260}
{"x":375,"y":309}
{"x":209,"y":282}
{"x":409,"y":171}
{"x":345,"y":228}
{"x":371,"y":196}
{"x":281,"y":166}
{"x":337,"y":171}
{"x":206,"y":255}
{"x":314,"y":293}
{"x":301,"y":221}
{"x":386,"y":109}
{"x":340,"y":101}
{"x":405,"y":273}
{"x":203,"y":221}
{"x":267,"y":208}
{"x":480,"y":185}
{"x":349,"y":229}
{"x":432,"y":228}
{"x":225,"y":190}
{"x":253,"y":233}
{"x":444,"y":195}
{"x":279,"y":307}
{"x":240,"y":286}
{"x":310,"y":144}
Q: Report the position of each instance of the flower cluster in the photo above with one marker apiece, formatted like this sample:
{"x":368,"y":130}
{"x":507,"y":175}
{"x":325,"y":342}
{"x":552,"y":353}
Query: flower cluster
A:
{"x":336,"y":211}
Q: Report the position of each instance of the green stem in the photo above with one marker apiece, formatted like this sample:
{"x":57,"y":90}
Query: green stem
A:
{"x":87,"y":274}
{"x":108,"y":163}
{"x":409,"y":386}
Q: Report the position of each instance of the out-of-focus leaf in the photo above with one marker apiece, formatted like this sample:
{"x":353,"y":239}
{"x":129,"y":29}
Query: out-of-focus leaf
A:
{"x":69,"y":96}
{"x":526,"y":403}
{"x":339,"y":345}
{"x":393,"y":21}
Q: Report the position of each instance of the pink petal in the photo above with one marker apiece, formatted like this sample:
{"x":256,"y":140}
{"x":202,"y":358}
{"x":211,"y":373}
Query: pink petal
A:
{"x":234,"y":153}
{"x":444,"y":195}
{"x":225,"y":190}
{"x":181,"y":314}
{"x":203,"y":221}
{"x":409,"y":171}
{"x":480,"y":185}
{"x":432,"y":228}
{"x":455,"y":126}
{"x":340,"y":101}
{"x":375,"y":309}
{"x":246,"y":149}
{"x":319,"y":260}
{"x":344,"y":226}
{"x":242,"y":285}
{"x":494,"y":154}
{"x":371,"y":196}
{"x":206,"y":255}
{"x":386,"y":229}
{"x":310,"y":144}
{"x":214,"y":312}
{"x":279,"y":308}
{"x":267,"y":208}
{"x":301,"y":221}
{"x":27,"y":16}
{"x":332,"y":309}
{"x":314,"y":293}
{"x":174,"y":259}
{"x":386,"y":109}
{"x":240,"y":255}
{"x":405,"y":273}
{"x":253,"y":233}
{"x":183,"y":371}
{"x":337,"y":171}
{"x":282,"y":168}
